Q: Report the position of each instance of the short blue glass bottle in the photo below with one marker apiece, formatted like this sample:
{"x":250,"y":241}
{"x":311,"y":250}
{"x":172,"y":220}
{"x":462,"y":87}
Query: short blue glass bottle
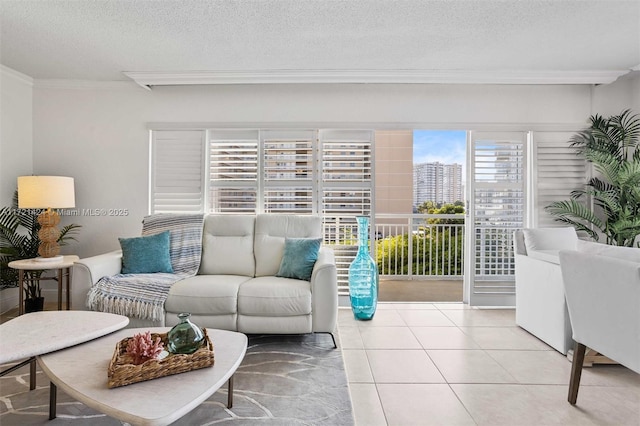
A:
{"x":363,"y":276}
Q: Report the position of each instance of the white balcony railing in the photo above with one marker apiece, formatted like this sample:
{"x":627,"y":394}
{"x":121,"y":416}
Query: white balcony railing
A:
{"x":411,"y":246}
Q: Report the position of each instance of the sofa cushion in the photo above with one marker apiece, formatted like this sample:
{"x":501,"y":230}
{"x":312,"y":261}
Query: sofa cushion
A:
{"x":299,"y":257}
{"x":227,"y":246}
{"x":590,"y":247}
{"x":625,"y":253}
{"x":551,"y":256}
{"x":147,"y":254}
{"x":631,"y":254}
{"x":205,"y":294}
{"x":273,"y":297}
{"x":561,"y":238}
{"x":271,"y":231}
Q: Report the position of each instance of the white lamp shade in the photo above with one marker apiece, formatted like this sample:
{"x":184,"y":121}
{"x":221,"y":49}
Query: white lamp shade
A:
{"x":43,"y":192}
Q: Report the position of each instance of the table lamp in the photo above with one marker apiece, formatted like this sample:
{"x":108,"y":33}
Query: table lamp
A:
{"x":47,"y":192}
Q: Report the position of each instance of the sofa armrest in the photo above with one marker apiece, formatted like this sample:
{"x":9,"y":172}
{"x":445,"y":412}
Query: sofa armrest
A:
{"x":540,"y":305}
{"x":550,"y":256}
{"x":88,"y":271}
{"x":324,"y":291}
{"x":518,"y":243}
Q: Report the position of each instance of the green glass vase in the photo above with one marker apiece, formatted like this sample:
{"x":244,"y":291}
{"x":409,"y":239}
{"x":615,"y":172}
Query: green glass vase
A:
{"x":185,"y":337}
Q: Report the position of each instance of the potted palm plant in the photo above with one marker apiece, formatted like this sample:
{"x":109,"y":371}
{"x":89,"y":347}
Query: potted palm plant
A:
{"x":612,"y":145}
{"x":19,"y":240}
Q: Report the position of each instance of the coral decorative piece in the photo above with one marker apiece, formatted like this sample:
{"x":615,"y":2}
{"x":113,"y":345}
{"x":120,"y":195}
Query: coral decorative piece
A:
{"x":142,"y":347}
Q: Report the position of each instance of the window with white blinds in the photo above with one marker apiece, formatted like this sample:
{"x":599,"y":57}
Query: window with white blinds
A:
{"x":346,"y":187}
{"x":233,"y":171}
{"x":499,"y":205}
{"x":304,"y":171}
{"x":347,"y":158}
{"x":556,"y":172}
{"x":289,"y":170}
{"x":177,"y":171}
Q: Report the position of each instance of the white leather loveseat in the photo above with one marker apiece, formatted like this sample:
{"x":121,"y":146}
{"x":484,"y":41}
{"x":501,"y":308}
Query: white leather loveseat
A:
{"x":236,"y":287}
{"x":541,"y":308}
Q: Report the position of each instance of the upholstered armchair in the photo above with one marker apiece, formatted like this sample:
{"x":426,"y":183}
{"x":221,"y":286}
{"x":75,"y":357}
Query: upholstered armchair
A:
{"x":540,"y":305}
{"x":603,"y":298}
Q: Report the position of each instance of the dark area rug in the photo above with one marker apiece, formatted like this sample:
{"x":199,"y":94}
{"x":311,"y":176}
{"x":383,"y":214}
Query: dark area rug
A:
{"x":283,"y":380}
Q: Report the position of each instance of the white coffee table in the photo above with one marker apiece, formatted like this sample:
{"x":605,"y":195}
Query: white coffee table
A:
{"x":81,"y":371}
{"x":38,"y":333}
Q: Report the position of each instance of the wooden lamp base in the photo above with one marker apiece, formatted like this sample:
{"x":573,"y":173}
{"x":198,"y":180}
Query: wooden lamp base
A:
{"x":49,"y":249}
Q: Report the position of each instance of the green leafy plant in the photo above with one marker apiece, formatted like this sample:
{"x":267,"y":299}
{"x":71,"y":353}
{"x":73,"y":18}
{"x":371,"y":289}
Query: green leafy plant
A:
{"x":612,"y":145}
{"x":436,"y":251}
{"x":436,"y":245}
{"x":19,"y":240}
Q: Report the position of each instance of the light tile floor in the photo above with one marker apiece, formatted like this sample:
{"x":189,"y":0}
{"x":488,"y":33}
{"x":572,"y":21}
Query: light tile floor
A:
{"x":448,"y":364}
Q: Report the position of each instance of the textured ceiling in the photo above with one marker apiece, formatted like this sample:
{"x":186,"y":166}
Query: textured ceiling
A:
{"x":98,"y":40}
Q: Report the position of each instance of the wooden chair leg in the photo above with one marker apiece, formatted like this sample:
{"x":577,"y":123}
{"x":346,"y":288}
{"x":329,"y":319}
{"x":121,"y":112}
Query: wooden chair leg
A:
{"x":576,"y":372}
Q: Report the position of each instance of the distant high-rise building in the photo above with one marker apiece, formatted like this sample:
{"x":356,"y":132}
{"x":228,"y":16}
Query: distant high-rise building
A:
{"x":437,"y":182}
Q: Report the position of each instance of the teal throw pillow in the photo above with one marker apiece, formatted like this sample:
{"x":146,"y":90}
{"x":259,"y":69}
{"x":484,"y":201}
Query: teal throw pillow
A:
{"x":300,"y":254}
{"x":148,"y":254}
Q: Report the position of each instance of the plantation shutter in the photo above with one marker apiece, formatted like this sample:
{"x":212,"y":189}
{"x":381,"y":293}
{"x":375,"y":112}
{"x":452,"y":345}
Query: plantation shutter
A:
{"x":288,"y":171}
{"x":233,"y":171}
{"x":177,"y":164}
{"x":346,"y":192}
{"x":497,"y":171}
{"x":556,"y":172}
{"x":347,"y":182}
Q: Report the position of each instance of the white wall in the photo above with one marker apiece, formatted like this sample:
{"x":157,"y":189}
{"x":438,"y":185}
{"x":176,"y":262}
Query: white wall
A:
{"x":635,"y":89}
{"x":612,"y":99}
{"x":16,"y":118}
{"x":16,"y":139}
{"x":99,"y":135}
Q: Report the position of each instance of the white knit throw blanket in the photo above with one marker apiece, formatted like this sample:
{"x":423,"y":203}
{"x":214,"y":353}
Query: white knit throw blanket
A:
{"x":143,"y":295}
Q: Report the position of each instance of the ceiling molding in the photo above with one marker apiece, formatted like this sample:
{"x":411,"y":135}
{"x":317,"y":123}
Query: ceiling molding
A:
{"x":10,"y":72}
{"x":377,"y":125}
{"x":149,"y":79}
{"x":83,"y":84}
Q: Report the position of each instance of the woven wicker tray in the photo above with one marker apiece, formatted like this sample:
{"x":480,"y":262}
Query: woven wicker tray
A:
{"x":121,"y":372}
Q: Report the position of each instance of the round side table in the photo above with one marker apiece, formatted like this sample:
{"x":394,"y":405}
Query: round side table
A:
{"x":64,"y":271}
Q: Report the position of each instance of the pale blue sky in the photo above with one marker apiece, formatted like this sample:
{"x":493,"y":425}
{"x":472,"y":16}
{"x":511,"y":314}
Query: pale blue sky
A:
{"x":445,"y":146}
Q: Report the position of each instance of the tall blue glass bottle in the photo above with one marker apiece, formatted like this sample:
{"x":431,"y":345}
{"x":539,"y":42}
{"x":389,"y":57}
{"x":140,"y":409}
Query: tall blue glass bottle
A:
{"x":363,"y":276}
